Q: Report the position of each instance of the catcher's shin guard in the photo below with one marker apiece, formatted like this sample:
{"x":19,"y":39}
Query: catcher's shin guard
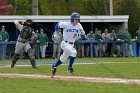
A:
{"x":15,"y":58}
{"x":13,"y":63}
{"x":32,"y":57}
{"x":33,"y":63}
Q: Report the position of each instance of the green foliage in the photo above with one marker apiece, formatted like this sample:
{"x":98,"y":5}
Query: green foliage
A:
{"x":93,"y":7}
{"x":21,"y":7}
{"x":59,"y":7}
{"x":131,"y":8}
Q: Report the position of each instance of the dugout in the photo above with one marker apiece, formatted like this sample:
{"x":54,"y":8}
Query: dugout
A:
{"x":89,"y":23}
{"x":47,"y":23}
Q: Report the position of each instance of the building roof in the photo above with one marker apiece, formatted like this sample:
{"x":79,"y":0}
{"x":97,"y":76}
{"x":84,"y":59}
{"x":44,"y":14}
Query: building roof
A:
{"x":39,"y":18}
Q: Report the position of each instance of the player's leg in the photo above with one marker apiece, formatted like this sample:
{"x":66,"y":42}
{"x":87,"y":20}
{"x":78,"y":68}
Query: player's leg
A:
{"x":31,"y":55}
{"x":18,"y":49}
{"x":66,"y":53}
{"x":69,"y":51}
{"x":14,"y":60}
{"x":73,"y":54}
{"x":62,"y":58}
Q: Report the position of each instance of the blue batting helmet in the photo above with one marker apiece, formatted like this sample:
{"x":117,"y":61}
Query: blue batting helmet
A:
{"x":75,"y":15}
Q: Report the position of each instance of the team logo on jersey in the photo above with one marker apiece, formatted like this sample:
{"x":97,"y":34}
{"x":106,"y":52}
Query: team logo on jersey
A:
{"x":72,"y":30}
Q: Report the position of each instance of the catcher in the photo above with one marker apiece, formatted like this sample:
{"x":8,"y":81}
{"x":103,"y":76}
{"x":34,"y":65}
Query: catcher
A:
{"x":23,"y":41}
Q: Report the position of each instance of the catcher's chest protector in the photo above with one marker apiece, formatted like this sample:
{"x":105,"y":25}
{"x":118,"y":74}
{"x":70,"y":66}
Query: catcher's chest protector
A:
{"x":26,"y":32}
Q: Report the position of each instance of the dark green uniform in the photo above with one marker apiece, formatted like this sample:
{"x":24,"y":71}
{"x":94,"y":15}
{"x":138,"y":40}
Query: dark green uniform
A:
{"x":43,"y":39}
{"x":97,"y":37}
{"x":127,"y":37}
{"x":97,"y":46}
{"x":120,"y":37}
{"x":128,"y":46}
{"x":43,"y":42}
{"x":5,"y":35}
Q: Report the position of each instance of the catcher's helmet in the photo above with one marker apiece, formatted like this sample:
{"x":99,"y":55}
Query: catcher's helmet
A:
{"x":75,"y":15}
{"x":28,"y":22}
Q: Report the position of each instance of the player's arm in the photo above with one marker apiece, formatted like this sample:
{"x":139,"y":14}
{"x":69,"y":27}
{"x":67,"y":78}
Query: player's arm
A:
{"x":18,"y":24}
{"x":82,"y":32}
{"x":60,"y":25}
{"x":81,"y":29}
{"x":57,"y":27}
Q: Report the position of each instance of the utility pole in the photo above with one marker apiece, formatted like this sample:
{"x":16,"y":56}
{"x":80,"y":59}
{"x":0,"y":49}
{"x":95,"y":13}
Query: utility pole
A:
{"x":110,"y":7}
{"x":35,"y":7}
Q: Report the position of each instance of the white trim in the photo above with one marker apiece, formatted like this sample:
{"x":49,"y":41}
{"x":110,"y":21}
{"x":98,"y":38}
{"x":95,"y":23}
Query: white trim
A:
{"x":38,"y":18}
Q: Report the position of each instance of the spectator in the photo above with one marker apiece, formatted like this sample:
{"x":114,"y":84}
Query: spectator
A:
{"x":57,"y":38}
{"x":96,"y":30}
{"x":5,"y":37}
{"x":120,"y":39}
{"x":105,"y":36}
{"x":43,"y":42}
{"x":37,"y":32}
{"x":80,"y":46}
{"x":138,"y":41}
{"x":128,"y":46}
{"x":113,"y":45}
{"x":97,"y":46}
{"x":90,"y":36}
{"x":36,"y":47}
{"x":0,"y":38}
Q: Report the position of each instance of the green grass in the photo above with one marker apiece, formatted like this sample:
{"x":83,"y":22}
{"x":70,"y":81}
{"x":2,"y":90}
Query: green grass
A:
{"x":115,"y":70}
{"x":22,"y":85}
{"x":126,"y":69}
{"x":128,"y":59}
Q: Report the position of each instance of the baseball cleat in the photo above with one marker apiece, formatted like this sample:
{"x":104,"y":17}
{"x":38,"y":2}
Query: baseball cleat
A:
{"x":70,"y":70}
{"x":34,"y":66}
{"x":13,"y":64}
{"x":53,"y":71}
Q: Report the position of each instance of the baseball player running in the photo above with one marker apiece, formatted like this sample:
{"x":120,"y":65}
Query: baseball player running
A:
{"x":23,"y":41}
{"x":71,"y":30}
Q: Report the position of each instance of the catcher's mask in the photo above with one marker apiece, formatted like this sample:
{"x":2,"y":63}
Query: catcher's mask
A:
{"x":28,"y":22}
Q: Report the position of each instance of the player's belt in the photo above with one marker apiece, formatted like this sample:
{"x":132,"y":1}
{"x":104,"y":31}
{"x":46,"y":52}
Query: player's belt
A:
{"x":69,"y":42}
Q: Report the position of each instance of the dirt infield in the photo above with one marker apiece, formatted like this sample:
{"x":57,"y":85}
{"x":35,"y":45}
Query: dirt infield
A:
{"x":72,"y":78}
